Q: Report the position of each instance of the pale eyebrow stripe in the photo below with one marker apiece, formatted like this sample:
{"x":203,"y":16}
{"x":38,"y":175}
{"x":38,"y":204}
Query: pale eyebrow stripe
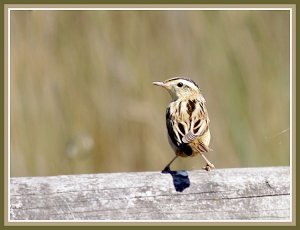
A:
{"x":177,"y":78}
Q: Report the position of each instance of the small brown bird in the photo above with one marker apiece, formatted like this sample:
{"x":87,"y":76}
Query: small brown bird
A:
{"x":187,"y":120}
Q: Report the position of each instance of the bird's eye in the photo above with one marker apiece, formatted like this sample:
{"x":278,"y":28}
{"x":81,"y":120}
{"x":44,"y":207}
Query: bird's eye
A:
{"x":180,"y":84}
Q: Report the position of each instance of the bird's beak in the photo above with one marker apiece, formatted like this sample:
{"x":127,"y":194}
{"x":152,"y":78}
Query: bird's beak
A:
{"x":159,"y":83}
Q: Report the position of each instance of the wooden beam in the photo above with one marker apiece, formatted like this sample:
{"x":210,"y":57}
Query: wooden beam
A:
{"x":221,"y":194}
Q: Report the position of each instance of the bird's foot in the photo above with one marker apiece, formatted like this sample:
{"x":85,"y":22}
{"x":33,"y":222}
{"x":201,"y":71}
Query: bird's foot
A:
{"x":209,"y":167}
{"x":166,"y":169}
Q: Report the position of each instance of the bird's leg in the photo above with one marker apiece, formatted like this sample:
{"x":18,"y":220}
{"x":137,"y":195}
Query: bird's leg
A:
{"x":167,"y":168}
{"x":209,"y":165}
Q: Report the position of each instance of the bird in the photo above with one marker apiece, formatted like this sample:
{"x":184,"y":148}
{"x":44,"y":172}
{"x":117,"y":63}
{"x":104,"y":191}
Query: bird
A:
{"x":187,"y":120}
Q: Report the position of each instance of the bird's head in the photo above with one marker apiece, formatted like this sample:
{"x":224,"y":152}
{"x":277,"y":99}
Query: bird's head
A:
{"x":179,"y":87}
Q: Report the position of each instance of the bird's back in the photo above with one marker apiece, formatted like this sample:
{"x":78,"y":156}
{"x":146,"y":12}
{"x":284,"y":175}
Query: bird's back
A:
{"x":184,"y":115}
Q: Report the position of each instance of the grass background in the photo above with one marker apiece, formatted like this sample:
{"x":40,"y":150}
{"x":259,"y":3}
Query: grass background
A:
{"x":82,"y":99}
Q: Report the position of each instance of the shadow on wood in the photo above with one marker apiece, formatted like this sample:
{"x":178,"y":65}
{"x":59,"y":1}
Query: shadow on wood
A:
{"x":221,"y":194}
{"x":181,"y":179}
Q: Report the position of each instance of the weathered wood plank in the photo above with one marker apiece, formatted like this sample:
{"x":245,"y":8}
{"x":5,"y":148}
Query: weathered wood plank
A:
{"x":222,"y":194}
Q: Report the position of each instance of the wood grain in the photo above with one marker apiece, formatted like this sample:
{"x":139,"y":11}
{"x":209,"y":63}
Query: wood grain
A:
{"x":222,"y":194}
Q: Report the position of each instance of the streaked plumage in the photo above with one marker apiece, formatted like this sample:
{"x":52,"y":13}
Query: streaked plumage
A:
{"x":187,"y":119}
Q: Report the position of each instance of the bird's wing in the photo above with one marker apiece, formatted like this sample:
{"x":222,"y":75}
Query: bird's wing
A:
{"x":176,"y":133}
{"x":196,"y":130}
{"x":191,"y":136}
{"x":173,"y":133}
{"x":181,"y":132}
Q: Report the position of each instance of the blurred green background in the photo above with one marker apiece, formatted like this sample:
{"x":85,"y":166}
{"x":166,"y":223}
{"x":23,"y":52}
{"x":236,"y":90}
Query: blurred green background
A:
{"x":82,"y":99}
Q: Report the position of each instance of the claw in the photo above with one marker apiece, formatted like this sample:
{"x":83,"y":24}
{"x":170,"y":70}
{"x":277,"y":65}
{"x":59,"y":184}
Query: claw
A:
{"x":208,"y":167}
{"x":166,"y":170}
